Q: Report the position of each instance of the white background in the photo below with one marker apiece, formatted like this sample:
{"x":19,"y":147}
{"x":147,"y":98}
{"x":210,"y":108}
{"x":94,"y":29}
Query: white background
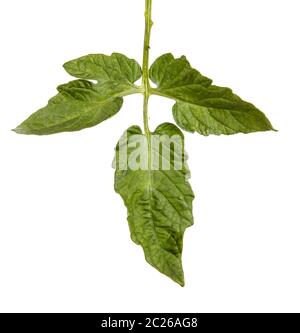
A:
{"x":64,"y":239}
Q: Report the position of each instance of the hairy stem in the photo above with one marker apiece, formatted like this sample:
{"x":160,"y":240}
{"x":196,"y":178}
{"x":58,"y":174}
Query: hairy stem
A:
{"x":146,"y":83}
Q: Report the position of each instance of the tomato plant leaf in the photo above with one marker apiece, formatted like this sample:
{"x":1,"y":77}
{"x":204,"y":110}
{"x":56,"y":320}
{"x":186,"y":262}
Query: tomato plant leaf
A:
{"x":81,"y":104}
{"x":200,"y":106}
{"x":159,"y":201}
{"x":151,"y":172}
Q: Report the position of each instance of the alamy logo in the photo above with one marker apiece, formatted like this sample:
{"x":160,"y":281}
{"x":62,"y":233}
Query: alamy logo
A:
{"x":161,"y":152}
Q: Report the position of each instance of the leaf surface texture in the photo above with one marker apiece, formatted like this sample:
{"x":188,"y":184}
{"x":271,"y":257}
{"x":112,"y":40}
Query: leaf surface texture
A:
{"x":81,"y":103}
{"x":159,"y":204}
{"x":200,"y":106}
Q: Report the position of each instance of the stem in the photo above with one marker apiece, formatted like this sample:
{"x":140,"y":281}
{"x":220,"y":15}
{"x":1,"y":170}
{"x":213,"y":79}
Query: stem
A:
{"x":146,"y":83}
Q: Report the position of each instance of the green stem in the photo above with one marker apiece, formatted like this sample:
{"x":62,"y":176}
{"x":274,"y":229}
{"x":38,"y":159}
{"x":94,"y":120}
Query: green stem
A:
{"x":146,"y":83}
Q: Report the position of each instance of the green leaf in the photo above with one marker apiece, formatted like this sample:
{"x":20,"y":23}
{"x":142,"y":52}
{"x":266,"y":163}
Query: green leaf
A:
{"x":81,"y":104}
{"x":159,"y":201}
{"x":102,"y":68}
{"x":200,"y":106}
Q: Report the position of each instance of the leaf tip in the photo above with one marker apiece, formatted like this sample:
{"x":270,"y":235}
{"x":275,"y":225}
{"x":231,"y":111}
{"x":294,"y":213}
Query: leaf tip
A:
{"x":67,"y":66}
{"x":181,"y":283}
{"x":178,"y":277}
{"x":19,"y":130}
